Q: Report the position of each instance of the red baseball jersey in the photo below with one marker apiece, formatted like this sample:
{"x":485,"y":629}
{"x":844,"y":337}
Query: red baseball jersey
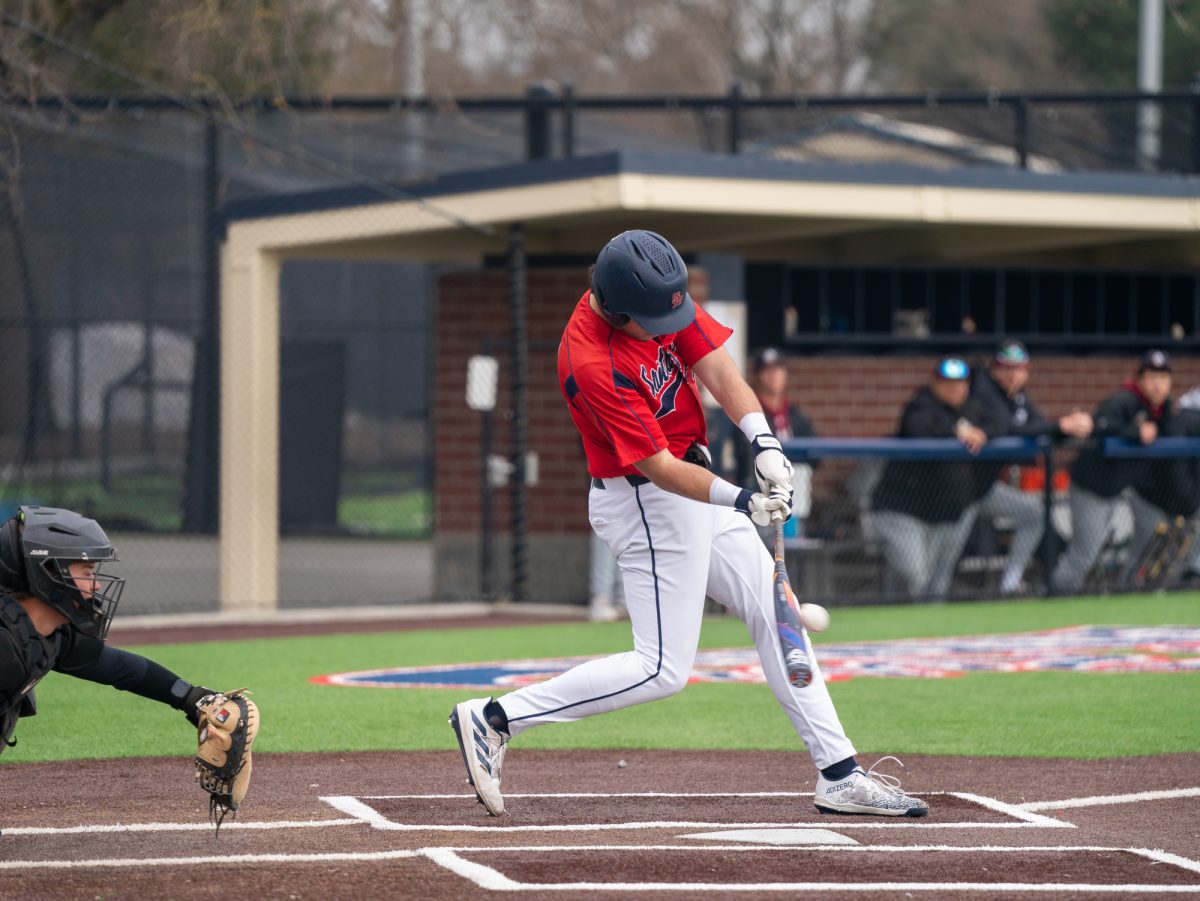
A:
{"x":630,"y":398}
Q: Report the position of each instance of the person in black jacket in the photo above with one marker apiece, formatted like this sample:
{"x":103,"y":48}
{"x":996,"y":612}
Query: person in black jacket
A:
{"x":1001,"y":388}
{"x":769,"y":379}
{"x":56,"y":603}
{"x":1170,"y":488}
{"x":1139,"y":411}
{"x":924,"y":510}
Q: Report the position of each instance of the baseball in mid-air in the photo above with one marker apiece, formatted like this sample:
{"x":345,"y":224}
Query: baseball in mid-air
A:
{"x":814,"y":617}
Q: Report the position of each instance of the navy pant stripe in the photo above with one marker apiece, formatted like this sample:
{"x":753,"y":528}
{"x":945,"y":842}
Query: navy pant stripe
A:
{"x":658,"y":618}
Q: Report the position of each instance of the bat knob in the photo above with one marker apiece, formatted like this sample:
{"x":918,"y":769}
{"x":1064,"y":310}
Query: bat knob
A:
{"x":799,"y":670}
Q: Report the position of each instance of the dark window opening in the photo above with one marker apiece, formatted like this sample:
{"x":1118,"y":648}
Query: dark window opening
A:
{"x":909,"y":305}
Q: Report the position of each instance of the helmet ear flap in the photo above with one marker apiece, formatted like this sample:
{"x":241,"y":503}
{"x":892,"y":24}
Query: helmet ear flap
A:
{"x":616,"y":320}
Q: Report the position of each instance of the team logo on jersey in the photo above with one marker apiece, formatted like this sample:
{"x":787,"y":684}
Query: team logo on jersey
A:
{"x":664,"y":380}
{"x":1081,"y":649}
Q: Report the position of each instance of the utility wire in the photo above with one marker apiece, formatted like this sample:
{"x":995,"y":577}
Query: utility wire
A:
{"x":288,"y":148}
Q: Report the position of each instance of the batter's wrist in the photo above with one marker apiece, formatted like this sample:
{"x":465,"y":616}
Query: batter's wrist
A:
{"x":724,"y":494}
{"x":753,"y":425}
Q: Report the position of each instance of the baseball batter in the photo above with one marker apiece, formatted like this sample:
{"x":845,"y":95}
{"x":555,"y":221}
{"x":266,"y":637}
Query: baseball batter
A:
{"x":628,"y":364}
{"x":56,"y":605}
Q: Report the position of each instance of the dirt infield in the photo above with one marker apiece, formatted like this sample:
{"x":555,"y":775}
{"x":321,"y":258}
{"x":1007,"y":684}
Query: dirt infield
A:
{"x":381,"y":825}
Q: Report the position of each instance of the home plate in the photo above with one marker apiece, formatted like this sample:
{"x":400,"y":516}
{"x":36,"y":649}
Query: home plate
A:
{"x":777,"y":837}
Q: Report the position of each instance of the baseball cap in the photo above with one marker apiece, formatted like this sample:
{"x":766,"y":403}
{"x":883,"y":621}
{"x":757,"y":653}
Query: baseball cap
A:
{"x":768,"y":356}
{"x":1012,"y":352}
{"x":1155,"y":361}
{"x":953,"y":369}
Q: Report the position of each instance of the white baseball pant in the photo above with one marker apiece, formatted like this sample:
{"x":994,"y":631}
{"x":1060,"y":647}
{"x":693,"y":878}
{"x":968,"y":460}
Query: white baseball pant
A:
{"x":672,"y":552}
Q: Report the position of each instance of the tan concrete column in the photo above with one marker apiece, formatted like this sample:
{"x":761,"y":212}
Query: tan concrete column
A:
{"x":249,"y":425}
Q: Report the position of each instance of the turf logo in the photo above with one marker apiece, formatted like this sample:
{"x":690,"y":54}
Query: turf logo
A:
{"x":1083,"y":649}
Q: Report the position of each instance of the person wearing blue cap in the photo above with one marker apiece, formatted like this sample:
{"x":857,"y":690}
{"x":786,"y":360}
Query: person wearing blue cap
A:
{"x":924,"y":510}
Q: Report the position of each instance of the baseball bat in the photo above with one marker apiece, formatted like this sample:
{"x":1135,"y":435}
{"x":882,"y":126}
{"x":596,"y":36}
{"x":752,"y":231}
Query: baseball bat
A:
{"x":787,"y":618}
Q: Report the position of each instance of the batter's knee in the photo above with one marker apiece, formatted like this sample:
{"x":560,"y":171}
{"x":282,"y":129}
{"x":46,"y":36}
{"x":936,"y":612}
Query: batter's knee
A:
{"x":672,"y":679}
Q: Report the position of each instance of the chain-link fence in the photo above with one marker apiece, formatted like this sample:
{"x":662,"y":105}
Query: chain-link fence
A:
{"x":108,"y":264}
{"x":926,"y":519}
{"x":110,"y":235}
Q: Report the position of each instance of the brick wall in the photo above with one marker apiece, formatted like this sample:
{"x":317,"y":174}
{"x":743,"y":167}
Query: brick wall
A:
{"x":861,"y":397}
{"x":844,"y":396}
{"x":471,"y":305}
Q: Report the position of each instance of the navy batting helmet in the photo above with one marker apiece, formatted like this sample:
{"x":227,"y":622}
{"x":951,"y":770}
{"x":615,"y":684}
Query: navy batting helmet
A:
{"x":640,"y":276}
{"x":36,"y":548}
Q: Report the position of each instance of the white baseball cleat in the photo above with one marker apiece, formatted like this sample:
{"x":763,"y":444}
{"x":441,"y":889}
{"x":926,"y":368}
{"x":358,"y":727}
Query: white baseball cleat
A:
{"x":482,"y":751}
{"x":867,"y":792}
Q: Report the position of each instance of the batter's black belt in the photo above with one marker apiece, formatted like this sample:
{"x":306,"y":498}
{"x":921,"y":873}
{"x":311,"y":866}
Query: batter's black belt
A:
{"x":694,"y":454}
{"x":635,"y":481}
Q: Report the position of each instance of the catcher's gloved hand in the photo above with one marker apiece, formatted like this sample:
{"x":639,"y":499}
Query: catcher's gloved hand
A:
{"x":228,"y":725}
{"x":771,"y":467}
{"x":191,"y":703}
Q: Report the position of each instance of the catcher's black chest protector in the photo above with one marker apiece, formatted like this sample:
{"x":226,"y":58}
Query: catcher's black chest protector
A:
{"x":25,"y":658}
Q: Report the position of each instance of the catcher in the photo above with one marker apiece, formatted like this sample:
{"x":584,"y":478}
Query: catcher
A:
{"x":55,"y":610}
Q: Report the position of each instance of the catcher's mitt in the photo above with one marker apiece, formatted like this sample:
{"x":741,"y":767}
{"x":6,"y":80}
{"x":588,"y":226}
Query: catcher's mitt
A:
{"x":228,"y":726}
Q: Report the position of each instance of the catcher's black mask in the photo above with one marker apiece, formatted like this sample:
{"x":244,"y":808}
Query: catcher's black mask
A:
{"x":36,"y":547}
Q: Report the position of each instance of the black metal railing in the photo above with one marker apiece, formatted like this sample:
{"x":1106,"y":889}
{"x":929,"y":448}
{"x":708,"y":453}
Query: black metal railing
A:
{"x":546,"y":110}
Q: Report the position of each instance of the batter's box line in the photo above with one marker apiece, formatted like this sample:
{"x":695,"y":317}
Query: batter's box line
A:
{"x":13,"y":831}
{"x":1169,"y":794}
{"x":354,"y":806}
{"x":491,"y":879}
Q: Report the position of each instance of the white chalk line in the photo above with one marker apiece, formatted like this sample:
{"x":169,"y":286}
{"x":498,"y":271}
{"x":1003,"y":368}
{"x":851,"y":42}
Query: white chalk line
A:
{"x":349,"y":804}
{"x":355,"y":806}
{"x":845,"y":849}
{"x":689,"y":824}
{"x":365,"y":856}
{"x":1012,"y":810}
{"x":174,"y":827}
{"x":460,"y":796}
{"x":490,"y":879}
{"x":1173,"y":859}
{"x":110,"y":862}
{"x":1099,"y":800}
{"x":485,"y":877}
{"x":359,"y":812}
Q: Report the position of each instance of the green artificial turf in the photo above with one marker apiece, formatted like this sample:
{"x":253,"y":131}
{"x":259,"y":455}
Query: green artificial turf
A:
{"x":1050,"y":714}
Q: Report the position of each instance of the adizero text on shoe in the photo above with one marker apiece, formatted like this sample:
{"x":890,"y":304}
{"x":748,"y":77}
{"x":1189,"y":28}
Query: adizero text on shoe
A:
{"x":866,"y":792}
{"x":482,"y":752}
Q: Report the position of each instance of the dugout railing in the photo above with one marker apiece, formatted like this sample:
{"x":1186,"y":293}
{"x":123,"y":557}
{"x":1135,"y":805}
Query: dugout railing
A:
{"x":895,"y":520}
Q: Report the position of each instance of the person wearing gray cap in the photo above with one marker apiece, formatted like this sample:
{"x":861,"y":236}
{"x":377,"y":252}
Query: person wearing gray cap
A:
{"x":1001,"y":387}
{"x":1138,"y":411}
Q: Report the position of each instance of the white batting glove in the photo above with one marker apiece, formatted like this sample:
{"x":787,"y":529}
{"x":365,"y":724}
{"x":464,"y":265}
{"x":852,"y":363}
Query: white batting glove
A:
{"x":765,"y":508}
{"x":772,"y":469}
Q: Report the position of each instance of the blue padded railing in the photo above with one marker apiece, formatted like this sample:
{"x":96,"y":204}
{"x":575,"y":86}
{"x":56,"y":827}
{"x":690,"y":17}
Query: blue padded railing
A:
{"x":1160,"y":448}
{"x":1014,"y":449}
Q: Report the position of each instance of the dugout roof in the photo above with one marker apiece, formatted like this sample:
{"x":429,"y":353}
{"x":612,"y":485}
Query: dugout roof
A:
{"x":763,"y":209}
